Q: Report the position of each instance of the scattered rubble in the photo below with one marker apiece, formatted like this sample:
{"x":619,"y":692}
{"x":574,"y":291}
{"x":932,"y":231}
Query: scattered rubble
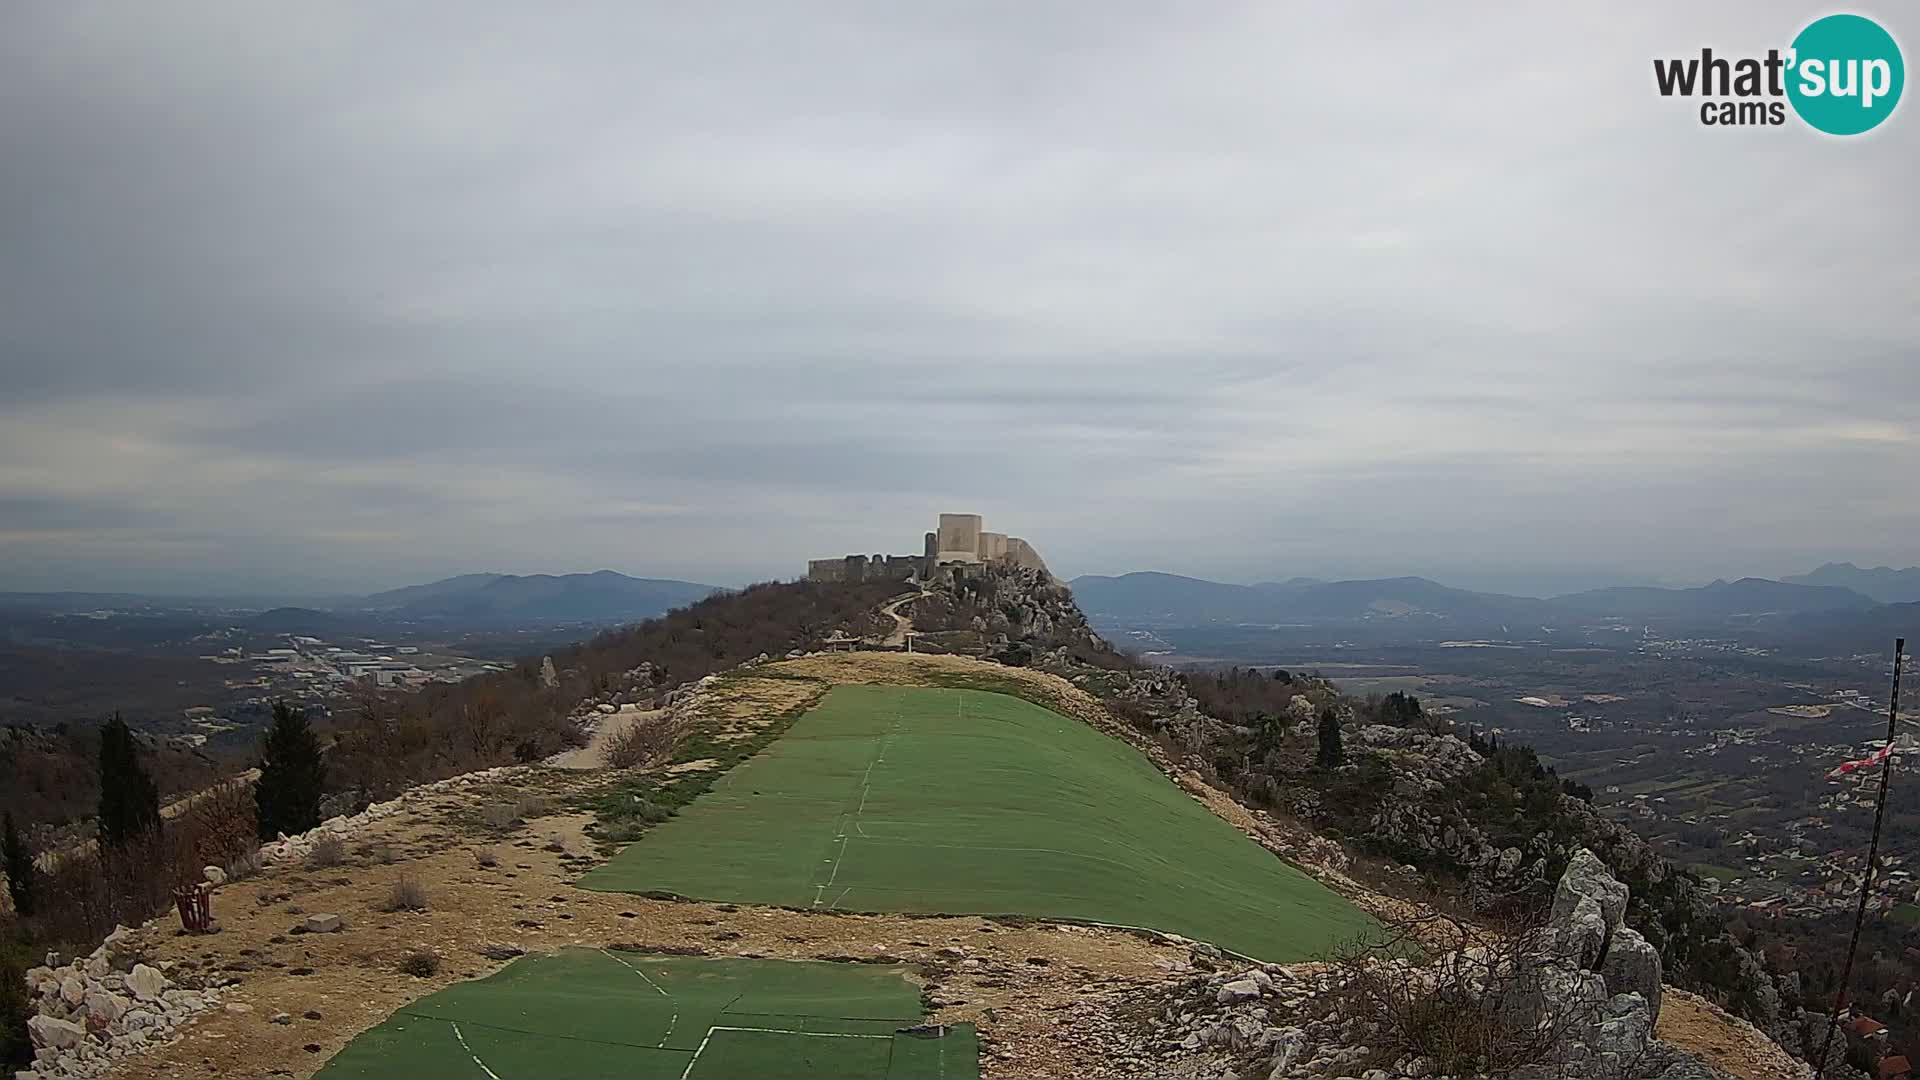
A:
{"x":291,"y":848}
{"x":89,"y":1013}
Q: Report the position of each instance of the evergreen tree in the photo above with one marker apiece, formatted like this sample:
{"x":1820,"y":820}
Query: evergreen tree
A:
{"x":1331,"y":752}
{"x":19,"y":866}
{"x":129,"y":803}
{"x":292,"y":775}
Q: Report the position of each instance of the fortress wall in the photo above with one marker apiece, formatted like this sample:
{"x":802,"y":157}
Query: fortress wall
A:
{"x":959,"y":539}
{"x":1021,"y":553}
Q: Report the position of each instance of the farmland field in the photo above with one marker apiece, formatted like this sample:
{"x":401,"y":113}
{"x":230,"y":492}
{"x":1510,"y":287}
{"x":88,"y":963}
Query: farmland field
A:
{"x":913,"y":799}
{"x":604,"y":1015}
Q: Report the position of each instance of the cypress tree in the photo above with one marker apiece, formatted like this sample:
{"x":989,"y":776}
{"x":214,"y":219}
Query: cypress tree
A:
{"x":19,"y":866}
{"x":1331,"y":752}
{"x":292,"y":775}
{"x":129,"y":802}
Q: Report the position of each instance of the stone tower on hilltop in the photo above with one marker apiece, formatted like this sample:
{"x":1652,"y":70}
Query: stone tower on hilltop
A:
{"x":959,"y":539}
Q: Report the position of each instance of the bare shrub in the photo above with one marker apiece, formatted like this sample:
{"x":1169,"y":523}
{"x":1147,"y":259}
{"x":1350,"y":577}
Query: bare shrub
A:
{"x":647,"y":741}
{"x":221,"y":823}
{"x":407,"y":894}
{"x":420,"y":964}
{"x":500,"y":816}
{"x":1477,"y":1007}
{"x":485,"y":858}
{"x":329,"y":851}
{"x":245,"y":865}
{"x":381,"y":852}
{"x":532,"y":806}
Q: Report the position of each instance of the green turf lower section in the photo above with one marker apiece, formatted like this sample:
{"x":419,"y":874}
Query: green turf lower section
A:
{"x":961,"y":801}
{"x":629,"y":1016}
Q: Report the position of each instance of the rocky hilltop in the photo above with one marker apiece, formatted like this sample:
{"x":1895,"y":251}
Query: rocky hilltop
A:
{"x":444,"y":881}
{"x":1422,"y":807}
{"x":1577,"y":996}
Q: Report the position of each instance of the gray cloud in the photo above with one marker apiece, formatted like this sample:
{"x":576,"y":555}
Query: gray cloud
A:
{"x":359,"y":293}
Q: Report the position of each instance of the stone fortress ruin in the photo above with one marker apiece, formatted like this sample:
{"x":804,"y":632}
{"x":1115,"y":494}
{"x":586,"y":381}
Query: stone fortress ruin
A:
{"x":958,"y":540}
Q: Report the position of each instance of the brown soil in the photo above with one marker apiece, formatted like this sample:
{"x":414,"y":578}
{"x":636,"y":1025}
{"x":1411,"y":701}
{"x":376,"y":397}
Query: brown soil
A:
{"x":1698,"y":1026}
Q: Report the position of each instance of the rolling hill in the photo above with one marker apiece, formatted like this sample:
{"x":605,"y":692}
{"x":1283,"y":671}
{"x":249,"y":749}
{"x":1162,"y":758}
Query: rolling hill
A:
{"x":597,"y":597}
{"x":1747,"y":596}
{"x":1882,"y":583}
{"x":1167,"y":600}
{"x":1153,"y":599}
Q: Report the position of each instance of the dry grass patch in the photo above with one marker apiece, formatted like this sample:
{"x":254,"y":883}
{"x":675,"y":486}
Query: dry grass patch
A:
{"x":646,"y":741}
{"x":328,"y":852}
{"x":407,"y":894}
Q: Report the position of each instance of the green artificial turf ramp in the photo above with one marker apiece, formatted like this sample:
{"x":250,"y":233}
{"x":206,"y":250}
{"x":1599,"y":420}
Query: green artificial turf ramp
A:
{"x":631,"y":1016}
{"x":961,"y":801}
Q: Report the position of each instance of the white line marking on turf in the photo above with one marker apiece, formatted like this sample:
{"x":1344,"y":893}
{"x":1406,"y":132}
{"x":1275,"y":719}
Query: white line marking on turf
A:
{"x":643,"y":978}
{"x":471,"y":1054}
{"x":840,"y":823}
{"x":836,"y":864}
{"x":708,"y":1037}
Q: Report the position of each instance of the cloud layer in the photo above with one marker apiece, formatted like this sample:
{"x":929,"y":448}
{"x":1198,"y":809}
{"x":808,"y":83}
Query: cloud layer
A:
{"x":354,"y":294}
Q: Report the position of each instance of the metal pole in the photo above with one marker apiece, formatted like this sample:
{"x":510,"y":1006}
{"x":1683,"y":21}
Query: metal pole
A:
{"x":1873,"y":853}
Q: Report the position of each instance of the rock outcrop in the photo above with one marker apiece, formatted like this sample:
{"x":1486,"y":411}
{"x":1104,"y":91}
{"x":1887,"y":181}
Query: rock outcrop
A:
{"x":1583,"y":992}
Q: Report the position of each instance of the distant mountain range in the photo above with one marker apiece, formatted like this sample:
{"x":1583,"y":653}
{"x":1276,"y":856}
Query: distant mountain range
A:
{"x":1883,"y":583}
{"x":466,"y":602}
{"x":602,"y":596}
{"x":1155,"y":599}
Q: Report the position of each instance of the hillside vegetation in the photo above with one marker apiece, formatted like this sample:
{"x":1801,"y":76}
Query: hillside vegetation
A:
{"x":389,"y":741}
{"x":1485,"y":823}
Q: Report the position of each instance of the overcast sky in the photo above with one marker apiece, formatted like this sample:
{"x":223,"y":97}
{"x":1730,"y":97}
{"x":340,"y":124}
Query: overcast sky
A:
{"x":343,"y":295}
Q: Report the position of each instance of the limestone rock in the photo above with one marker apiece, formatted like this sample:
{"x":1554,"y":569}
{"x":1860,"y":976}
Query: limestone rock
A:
{"x":1587,"y":876}
{"x":214,"y":875}
{"x":1626,"y":1030}
{"x":326,"y":923}
{"x":1582,"y":934}
{"x":105,"y":1007}
{"x":58,"y":1034}
{"x":146,"y":982}
{"x":1632,"y":966}
{"x":1238,"y":990}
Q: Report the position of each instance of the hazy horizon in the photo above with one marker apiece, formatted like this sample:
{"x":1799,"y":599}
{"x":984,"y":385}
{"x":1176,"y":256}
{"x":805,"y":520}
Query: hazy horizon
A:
{"x":339,"y":298}
{"x":1542,"y":585}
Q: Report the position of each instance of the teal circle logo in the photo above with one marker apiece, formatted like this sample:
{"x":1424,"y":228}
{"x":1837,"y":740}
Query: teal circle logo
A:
{"x":1846,"y":74}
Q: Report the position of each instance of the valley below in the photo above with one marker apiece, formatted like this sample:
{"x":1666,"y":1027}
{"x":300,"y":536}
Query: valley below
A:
{"x":1716,"y":751}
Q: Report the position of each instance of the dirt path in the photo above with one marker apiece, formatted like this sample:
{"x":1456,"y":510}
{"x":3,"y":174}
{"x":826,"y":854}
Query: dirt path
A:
{"x":594,"y":754}
{"x":902,"y":624}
